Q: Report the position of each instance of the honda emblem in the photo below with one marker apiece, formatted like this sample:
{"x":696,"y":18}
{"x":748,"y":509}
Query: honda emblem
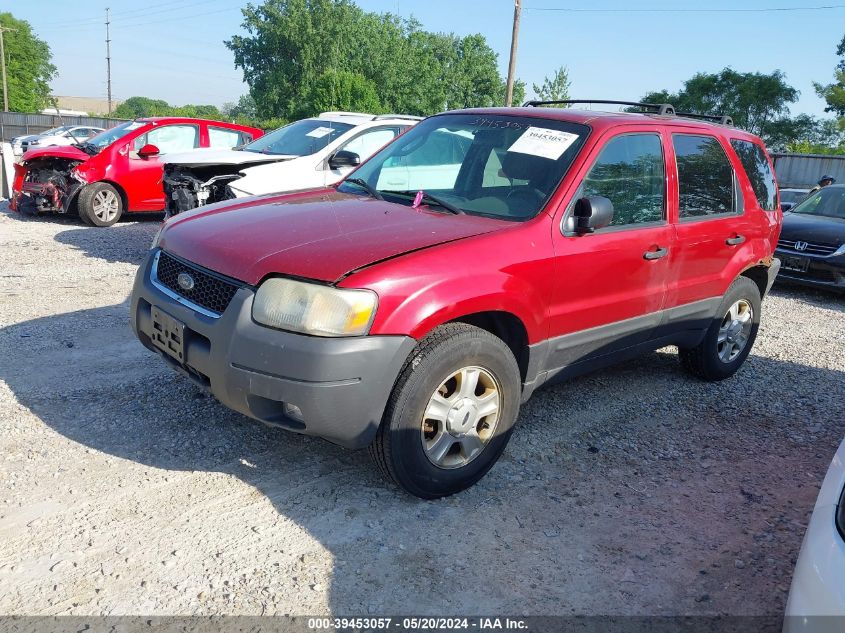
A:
{"x":801,"y":246}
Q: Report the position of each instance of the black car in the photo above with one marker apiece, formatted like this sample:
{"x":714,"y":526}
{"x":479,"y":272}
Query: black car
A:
{"x":812,"y":243}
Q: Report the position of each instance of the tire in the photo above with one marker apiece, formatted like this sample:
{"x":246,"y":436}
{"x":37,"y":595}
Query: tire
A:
{"x":410,"y":450}
{"x":722,"y":350}
{"x":100,"y":204}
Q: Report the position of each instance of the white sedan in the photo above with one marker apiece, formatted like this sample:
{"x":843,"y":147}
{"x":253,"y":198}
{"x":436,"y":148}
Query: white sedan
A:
{"x":817,"y":598}
{"x":63,"y":135}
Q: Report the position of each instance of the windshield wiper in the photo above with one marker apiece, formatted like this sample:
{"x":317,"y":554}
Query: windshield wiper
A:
{"x":427,"y":197}
{"x":366,"y":186}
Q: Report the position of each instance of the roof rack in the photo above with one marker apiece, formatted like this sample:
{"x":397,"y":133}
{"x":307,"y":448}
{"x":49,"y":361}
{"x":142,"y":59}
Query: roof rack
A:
{"x":341,"y":113}
{"x":408,"y":117}
{"x":662,"y":109}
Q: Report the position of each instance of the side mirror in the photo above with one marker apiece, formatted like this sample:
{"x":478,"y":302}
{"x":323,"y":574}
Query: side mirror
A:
{"x":592,"y":213}
{"x":344,"y":159}
{"x":148,"y":151}
{"x":786,"y":206}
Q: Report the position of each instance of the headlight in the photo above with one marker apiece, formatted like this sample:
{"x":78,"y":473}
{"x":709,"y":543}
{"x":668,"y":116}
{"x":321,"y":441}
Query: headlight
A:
{"x":314,"y":309}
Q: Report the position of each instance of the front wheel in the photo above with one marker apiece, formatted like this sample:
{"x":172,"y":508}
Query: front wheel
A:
{"x":100,"y":204}
{"x":729,"y":338}
{"x":451,"y":412}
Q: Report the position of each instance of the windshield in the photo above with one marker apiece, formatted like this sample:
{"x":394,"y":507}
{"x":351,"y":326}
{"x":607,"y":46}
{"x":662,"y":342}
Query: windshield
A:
{"x":828,"y":202}
{"x":299,"y":139}
{"x":499,"y":166}
{"x":108,"y":137}
{"x":55,"y":130}
{"x":787,"y":195}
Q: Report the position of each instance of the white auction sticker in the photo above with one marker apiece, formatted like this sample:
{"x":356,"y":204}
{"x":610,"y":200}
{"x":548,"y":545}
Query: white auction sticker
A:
{"x":540,"y":141}
{"x":320,"y":132}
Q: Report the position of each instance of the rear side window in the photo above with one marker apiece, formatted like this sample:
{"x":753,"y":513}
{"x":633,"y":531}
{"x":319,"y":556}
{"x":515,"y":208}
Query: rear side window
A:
{"x":629,"y":172}
{"x":759,"y":171}
{"x":705,"y":177}
{"x":224,"y":138}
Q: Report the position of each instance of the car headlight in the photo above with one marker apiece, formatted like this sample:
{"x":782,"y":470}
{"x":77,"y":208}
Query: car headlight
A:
{"x":310,"y":308}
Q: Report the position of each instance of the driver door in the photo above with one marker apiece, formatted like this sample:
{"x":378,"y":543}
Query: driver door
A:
{"x":143,"y":179}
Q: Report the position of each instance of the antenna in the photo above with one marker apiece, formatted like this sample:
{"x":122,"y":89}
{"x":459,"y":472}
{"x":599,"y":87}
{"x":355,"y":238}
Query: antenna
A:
{"x":108,"y":59}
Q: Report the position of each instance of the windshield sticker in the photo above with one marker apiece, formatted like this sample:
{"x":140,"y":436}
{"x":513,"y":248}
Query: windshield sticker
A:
{"x":540,"y":141}
{"x":320,"y":132}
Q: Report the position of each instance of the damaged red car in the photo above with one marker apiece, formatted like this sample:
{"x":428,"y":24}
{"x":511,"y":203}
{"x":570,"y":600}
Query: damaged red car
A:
{"x":115,"y":171}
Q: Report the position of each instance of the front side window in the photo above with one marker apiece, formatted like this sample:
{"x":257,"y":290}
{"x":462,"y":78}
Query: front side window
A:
{"x":705,"y":177}
{"x":451,"y":157}
{"x":366,"y":144}
{"x":170,"y":138}
{"x":630,"y":173}
{"x":224,"y":138}
{"x":302,"y":138}
{"x":759,"y":172}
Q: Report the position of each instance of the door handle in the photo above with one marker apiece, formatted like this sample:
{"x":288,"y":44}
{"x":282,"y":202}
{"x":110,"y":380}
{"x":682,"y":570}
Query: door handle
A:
{"x":733,"y":241}
{"x":656,"y":254}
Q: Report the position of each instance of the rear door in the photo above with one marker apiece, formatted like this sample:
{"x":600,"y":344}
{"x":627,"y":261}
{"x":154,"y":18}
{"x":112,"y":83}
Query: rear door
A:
{"x":713,"y":226}
{"x":610,"y":285}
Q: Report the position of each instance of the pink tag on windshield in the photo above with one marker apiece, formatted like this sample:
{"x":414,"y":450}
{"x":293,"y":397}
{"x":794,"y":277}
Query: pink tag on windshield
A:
{"x":417,"y":199}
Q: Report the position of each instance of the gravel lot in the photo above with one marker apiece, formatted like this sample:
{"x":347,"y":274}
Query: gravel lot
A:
{"x":126,"y":490}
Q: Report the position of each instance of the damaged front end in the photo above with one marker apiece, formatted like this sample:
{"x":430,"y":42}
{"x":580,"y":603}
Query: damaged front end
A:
{"x":46,"y":185}
{"x":187,"y":188}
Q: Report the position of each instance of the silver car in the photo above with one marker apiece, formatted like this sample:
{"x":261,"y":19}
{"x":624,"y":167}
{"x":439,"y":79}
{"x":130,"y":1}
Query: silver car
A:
{"x":62,"y":135}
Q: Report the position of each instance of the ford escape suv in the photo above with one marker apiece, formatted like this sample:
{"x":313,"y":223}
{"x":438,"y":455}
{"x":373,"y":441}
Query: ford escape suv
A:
{"x":414,"y":306}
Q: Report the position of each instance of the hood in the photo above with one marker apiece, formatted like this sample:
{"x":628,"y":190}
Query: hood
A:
{"x":26,"y":137}
{"x":815,"y":229}
{"x":56,"y":151}
{"x":321,"y":235}
{"x":211,"y":156}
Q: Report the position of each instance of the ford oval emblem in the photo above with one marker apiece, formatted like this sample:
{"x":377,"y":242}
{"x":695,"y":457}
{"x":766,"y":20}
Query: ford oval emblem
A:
{"x":185,"y":281}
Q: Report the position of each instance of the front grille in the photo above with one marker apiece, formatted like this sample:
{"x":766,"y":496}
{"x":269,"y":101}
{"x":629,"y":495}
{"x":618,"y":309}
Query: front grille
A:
{"x":811,"y":249}
{"x":212,"y":292}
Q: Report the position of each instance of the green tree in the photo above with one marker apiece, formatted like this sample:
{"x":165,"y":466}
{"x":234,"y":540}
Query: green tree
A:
{"x":28,"y":66}
{"x":834,"y":93}
{"x":295,"y":48}
{"x":342,"y":90}
{"x":137,"y":107}
{"x":554,"y":88}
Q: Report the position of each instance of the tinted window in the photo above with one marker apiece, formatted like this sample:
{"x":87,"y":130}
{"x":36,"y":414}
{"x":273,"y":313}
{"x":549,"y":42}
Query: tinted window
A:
{"x":828,"y":202}
{"x":759,"y":172}
{"x":447,"y":155}
{"x":705,"y":176}
{"x":630,"y":173}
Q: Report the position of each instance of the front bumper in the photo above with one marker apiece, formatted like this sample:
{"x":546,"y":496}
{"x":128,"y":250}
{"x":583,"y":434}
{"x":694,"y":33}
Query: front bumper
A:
{"x":341,"y":385}
{"x":826,"y":272}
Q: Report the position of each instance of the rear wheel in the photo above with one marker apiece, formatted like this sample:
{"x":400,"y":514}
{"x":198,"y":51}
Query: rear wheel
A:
{"x":100,"y":204}
{"x":451,"y":412}
{"x":730,"y":337}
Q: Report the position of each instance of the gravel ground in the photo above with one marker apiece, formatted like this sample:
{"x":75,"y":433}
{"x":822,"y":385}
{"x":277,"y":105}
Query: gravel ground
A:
{"x":126,"y":490}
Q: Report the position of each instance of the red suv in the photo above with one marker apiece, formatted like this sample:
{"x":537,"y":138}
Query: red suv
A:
{"x":413,"y":307}
{"x":117,"y":170}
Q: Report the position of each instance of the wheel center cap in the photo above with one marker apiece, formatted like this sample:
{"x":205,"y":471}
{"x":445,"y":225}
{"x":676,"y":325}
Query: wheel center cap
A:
{"x":462,"y":417}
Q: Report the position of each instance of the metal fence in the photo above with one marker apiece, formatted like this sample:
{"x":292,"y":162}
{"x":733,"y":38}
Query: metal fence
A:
{"x":14,"y":124}
{"x":802,"y":171}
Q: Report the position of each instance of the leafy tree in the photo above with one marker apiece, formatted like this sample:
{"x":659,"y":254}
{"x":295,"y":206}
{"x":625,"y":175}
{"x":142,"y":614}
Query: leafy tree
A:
{"x":294,"y":49}
{"x":343,"y":90}
{"x":28,"y":69}
{"x":137,"y":107}
{"x":243,"y":109}
{"x":834,"y":94}
{"x":554,"y":88}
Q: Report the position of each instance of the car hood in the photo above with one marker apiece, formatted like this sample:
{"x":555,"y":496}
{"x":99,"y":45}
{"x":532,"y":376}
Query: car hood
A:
{"x":210,"y":156}
{"x":815,"y":229}
{"x":56,"y":151}
{"x":321,"y":235}
{"x":26,"y":137}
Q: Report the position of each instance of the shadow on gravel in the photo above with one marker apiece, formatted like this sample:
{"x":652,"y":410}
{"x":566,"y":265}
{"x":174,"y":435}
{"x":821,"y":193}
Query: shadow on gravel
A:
{"x":126,"y":242}
{"x":601,"y":504}
{"x":812,"y":296}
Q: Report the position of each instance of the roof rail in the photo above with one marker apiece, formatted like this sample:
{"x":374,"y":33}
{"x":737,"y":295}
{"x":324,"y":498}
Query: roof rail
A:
{"x":409,"y":117}
{"x":662,"y":109}
{"x":341,"y":113}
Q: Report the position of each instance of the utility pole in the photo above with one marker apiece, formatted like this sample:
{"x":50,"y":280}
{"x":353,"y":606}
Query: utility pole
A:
{"x":517,"y":11}
{"x":108,"y":59}
{"x":3,"y":64}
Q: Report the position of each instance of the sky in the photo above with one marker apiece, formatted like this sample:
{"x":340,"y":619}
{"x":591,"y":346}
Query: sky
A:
{"x":614,"y":49}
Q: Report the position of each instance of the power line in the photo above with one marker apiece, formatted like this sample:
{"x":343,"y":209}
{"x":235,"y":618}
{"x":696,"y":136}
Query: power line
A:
{"x":661,"y":10}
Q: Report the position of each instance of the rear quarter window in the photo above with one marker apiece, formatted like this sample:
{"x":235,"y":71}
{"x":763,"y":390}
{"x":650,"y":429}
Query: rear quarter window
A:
{"x":705,"y":177}
{"x":759,"y":171}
